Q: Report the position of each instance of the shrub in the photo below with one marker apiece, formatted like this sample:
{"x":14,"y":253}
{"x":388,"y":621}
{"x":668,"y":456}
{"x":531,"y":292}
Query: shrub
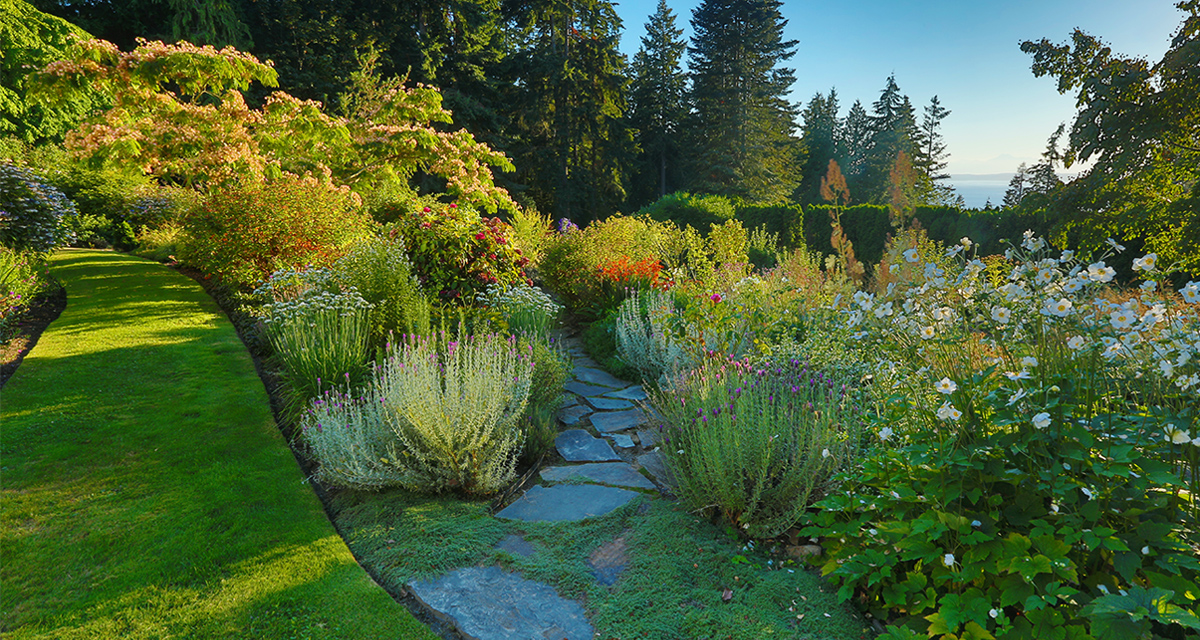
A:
{"x":34,"y":216}
{"x":322,"y":340}
{"x":755,"y":444}
{"x":346,"y":435}
{"x":700,"y":212}
{"x":159,"y":243}
{"x":1035,"y":468}
{"x":246,"y":231}
{"x":551,"y":370}
{"x":378,"y":268}
{"x":527,"y":311}
{"x":456,"y":406}
{"x":644,"y":339}
{"x":530,"y":232}
{"x":456,"y":253}
{"x":22,"y":280}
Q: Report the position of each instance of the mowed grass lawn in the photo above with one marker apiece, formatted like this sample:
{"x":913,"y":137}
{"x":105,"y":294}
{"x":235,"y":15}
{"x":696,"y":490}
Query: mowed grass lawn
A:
{"x":147,"y":492}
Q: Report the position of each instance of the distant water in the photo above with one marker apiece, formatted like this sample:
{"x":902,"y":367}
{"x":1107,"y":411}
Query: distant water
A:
{"x":977,"y":190}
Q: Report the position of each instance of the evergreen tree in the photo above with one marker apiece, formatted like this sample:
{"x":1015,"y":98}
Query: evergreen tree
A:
{"x":893,"y":130}
{"x":819,"y":137}
{"x":855,"y":142}
{"x":657,"y":105}
{"x":932,"y":154}
{"x":572,"y":143}
{"x":742,"y":143}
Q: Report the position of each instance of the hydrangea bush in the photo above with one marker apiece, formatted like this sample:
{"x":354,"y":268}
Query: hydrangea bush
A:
{"x":1034,"y":473}
{"x":34,"y":216}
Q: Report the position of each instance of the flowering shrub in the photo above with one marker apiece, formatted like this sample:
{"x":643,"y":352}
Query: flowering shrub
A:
{"x":245,"y":232}
{"x":21,"y":281}
{"x":34,"y":216}
{"x":643,"y":338}
{"x":755,"y":443}
{"x":551,"y":370}
{"x":457,"y":253}
{"x":456,"y":406}
{"x":345,"y":434}
{"x":527,"y":310}
{"x":321,"y":339}
{"x":1031,"y":473}
{"x":575,"y":259}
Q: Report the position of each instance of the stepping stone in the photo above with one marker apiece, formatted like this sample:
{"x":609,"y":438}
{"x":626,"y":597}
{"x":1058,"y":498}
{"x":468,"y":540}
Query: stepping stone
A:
{"x":632,"y":393}
{"x":584,"y":361}
{"x":614,"y":473}
{"x":582,"y":389}
{"x":577,"y":445}
{"x":648,"y":437}
{"x":597,"y":376}
{"x":567,"y":400}
{"x":487,"y":603}
{"x":618,"y":420}
{"x":572,"y":415}
{"x":621,"y":440}
{"x":609,"y":404}
{"x":608,"y":561}
{"x":516,"y":545}
{"x":566,"y":502}
{"x":653,"y":463}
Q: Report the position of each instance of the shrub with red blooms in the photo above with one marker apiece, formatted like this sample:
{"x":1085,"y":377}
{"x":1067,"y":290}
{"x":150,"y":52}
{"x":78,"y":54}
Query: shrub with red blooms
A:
{"x":456,"y":253}
{"x":244,"y":232}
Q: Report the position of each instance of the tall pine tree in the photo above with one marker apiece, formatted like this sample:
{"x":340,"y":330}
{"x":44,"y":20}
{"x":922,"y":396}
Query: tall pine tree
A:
{"x":656,"y":105}
{"x":571,"y":140}
{"x":742,"y":142}
{"x":854,"y":140}
{"x":820,"y":139}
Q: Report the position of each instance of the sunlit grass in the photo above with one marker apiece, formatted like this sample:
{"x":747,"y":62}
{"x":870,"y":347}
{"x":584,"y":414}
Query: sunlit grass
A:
{"x":146,"y":489}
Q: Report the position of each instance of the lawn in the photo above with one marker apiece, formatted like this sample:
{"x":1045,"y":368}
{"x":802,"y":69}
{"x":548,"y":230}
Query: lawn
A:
{"x":147,"y":491}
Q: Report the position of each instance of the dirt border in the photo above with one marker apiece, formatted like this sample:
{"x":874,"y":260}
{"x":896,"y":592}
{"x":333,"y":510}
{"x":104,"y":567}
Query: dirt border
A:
{"x":32,"y":323}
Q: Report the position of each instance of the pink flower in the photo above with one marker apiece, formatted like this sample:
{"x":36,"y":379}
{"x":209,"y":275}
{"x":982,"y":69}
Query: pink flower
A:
{"x":716,"y":297}
{"x":426,"y":210}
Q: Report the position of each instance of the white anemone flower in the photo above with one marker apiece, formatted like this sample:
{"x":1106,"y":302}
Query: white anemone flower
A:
{"x":1029,"y":361}
{"x":946,"y":386}
{"x":1149,"y":286}
{"x":1022,"y":375}
{"x":885,"y":434}
{"x":1175,"y":435}
{"x":948,"y":412}
{"x":1076,"y":343}
{"x":1041,"y":420}
{"x":1191,"y":292}
{"x":927,"y":333}
{"x":1001,"y":314}
{"x":1113,"y":243}
{"x":948,"y":559}
{"x":1100,"y":272}
{"x":912,"y":255}
{"x":1061,"y":308}
{"x":1122,"y":319}
{"x":1146,"y":263}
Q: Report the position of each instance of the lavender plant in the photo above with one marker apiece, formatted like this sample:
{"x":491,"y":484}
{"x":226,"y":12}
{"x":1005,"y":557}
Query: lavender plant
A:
{"x":455,"y":407}
{"x":756,"y":443}
{"x":347,"y":436}
{"x":644,"y":337}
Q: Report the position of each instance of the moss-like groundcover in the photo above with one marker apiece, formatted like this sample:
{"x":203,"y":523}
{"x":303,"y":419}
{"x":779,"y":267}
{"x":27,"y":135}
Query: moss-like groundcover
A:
{"x":147,"y":492}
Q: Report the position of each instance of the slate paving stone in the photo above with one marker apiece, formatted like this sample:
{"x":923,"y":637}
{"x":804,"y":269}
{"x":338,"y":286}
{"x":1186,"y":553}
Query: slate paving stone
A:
{"x":608,"y":561}
{"x":615,"y":473}
{"x":648,"y":437}
{"x":609,"y":404}
{"x":597,"y":376}
{"x":566,"y":502}
{"x":568,"y":400}
{"x":653,"y":463}
{"x":577,"y":445}
{"x":631,"y":393}
{"x":621,"y":440}
{"x":572,"y":415}
{"x":618,"y":420}
{"x":582,"y":389}
{"x":487,"y":603}
{"x":516,"y":545}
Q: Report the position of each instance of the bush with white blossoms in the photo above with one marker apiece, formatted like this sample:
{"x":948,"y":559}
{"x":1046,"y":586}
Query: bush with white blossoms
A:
{"x":34,"y":216}
{"x":1038,"y":470}
{"x":526,"y":309}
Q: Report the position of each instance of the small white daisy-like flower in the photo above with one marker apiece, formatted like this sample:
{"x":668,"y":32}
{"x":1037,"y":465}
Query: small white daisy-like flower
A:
{"x":1041,"y":420}
{"x":1122,"y":319}
{"x":948,"y":412}
{"x":927,"y":332}
{"x":1076,"y":343}
{"x":1001,"y":314}
{"x":1029,"y":361}
{"x":946,"y":386}
{"x":912,"y":255}
{"x":1146,"y":263}
{"x":1191,"y":292}
{"x":1014,"y":376}
{"x":1016,"y":397}
{"x":1099,"y":272}
{"x":1061,"y":308}
{"x":1113,"y":243}
{"x":1044,"y":276}
{"x":1149,"y":286}
{"x":948,"y":559}
{"x":885,"y":434}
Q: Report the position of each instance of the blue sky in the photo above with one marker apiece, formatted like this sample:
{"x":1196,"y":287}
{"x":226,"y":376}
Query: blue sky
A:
{"x":967,"y":52}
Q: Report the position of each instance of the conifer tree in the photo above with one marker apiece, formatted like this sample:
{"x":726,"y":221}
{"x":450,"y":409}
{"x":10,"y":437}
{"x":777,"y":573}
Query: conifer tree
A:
{"x":742,"y":142}
{"x":656,"y":105}
{"x":820,"y":139}
{"x":572,"y":143}
{"x":855,"y":141}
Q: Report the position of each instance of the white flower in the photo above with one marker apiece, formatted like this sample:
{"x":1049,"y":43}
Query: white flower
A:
{"x":1099,"y":272}
{"x":1067,"y":256}
{"x":1073,"y":285}
{"x":864,"y":300}
{"x":1166,"y":368}
{"x":893,"y":268}
{"x":993,"y":613}
{"x":1145,"y":263}
{"x":1044,"y":276}
{"x":884,"y":310}
{"x":1112,"y":351}
{"x":1087,"y":492}
{"x":1149,"y":286}
{"x":1076,"y":343}
{"x":1146,"y":550}
{"x":1001,"y":314}
{"x":1023,"y":375}
{"x":965,"y":242}
{"x":885,"y":434}
{"x":1061,"y":308}
{"x":912,"y":255}
{"x":946,"y":386}
{"x":948,"y":412}
{"x":1029,"y":361}
{"x":1016,"y":397}
{"x":1113,"y":243}
{"x":1175,"y":435}
{"x":1121,"y":319}
{"x":927,"y":332}
{"x":1041,"y":420}
{"x":953,"y":251}
{"x":1191,"y":292}
{"x":825,"y":453}
{"x":948,"y":559}
{"x":1014,"y":291}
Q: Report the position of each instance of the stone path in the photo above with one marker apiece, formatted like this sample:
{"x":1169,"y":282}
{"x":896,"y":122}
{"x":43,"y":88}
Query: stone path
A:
{"x":611,"y":457}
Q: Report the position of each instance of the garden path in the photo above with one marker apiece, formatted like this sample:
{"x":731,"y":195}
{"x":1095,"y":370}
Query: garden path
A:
{"x":611,"y":457}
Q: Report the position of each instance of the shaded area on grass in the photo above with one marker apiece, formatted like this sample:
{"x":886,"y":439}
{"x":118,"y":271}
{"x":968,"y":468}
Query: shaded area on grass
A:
{"x":146,"y":488}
